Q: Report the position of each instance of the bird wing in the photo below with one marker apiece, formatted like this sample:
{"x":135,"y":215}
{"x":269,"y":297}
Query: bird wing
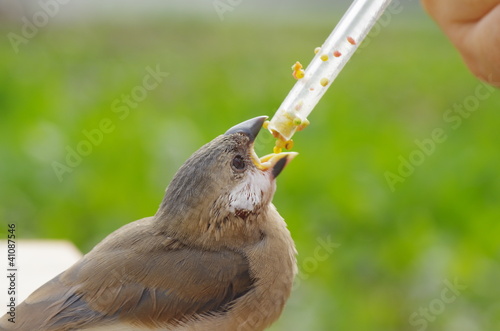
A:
{"x":148,"y":280}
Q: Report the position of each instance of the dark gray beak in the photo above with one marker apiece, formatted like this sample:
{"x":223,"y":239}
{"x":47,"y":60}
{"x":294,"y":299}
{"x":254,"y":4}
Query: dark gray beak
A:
{"x":280,"y":165}
{"x":250,"y":127}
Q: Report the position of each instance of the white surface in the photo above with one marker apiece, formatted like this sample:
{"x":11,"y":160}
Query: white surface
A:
{"x":37,"y":261}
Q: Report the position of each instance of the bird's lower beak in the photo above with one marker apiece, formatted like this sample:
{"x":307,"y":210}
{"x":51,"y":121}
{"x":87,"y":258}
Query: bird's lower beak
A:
{"x":275,"y":162}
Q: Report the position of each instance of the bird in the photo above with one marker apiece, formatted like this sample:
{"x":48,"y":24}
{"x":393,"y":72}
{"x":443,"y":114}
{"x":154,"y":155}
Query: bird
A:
{"x":216,"y":255}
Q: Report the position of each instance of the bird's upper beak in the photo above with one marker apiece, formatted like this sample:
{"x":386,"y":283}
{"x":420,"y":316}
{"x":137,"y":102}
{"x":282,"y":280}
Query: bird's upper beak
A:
{"x":274,"y":162}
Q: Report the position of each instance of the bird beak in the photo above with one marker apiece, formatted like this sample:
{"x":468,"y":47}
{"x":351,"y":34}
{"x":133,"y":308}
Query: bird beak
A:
{"x":250,"y":127}
{"x":275,"y":162}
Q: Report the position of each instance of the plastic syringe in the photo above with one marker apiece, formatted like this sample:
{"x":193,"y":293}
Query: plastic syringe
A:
{"x":325,"y":66}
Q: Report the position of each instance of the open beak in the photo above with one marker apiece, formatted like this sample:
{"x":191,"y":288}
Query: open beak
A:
{"x":274,"y":162}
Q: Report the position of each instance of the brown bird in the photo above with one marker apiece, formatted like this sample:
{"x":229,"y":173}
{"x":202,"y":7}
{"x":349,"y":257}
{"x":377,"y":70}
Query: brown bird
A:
{"x":216,"y":255}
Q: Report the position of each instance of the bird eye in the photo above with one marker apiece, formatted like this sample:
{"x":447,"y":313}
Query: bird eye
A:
{"x":238,"y":163}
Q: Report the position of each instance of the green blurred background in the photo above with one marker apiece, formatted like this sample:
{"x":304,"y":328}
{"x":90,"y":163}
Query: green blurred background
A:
{"x":395,"y":249}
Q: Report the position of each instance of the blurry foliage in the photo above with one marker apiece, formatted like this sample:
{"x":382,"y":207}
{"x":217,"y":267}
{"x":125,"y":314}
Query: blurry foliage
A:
{"x":396,"y":248}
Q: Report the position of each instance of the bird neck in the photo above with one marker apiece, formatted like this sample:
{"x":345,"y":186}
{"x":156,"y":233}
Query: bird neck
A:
{"x":206,"y":230}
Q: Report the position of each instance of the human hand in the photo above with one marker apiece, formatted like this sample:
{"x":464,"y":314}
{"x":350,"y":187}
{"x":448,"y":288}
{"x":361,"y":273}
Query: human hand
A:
{"x":473,"y":26}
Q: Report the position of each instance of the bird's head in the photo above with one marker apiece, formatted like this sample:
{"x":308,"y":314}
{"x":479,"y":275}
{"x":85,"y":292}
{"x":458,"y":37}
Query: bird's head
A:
{"x":222,"y":192}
